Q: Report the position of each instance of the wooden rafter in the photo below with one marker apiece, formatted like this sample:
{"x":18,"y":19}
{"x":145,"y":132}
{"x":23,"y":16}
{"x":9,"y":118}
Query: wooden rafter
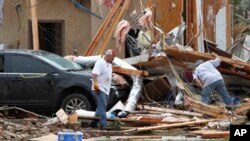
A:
{"x":130,"y":71}
{"x":102,"y":29}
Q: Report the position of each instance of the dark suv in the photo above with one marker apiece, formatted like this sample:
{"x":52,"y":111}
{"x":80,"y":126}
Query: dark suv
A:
{"x":42,"y":81}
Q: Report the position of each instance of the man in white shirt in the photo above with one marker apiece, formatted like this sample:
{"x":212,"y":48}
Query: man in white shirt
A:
{"x":102,"y":77}
{"x":209,"y":79}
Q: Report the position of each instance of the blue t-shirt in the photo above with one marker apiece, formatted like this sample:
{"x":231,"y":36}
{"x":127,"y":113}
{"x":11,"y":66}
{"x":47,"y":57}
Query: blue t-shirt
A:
{"x":207,"y":72}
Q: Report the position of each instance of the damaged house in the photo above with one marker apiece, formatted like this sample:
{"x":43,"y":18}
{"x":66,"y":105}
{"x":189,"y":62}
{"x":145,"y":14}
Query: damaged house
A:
{"x":159,"y":42}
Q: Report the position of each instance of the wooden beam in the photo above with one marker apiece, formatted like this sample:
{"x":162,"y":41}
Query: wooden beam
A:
{"x":102,"y":29}
{"x":179,"y":112}
{"x":33,"y":4}
{"x":139,"y":120}
{"x":113,"y":26}
{"x":211,"y":133}
{"x":192,"y":29}
{"x":218,"y":134}
{"x":169,"y":126}
{"x":130,"y":71}
{"x":228,"y":65}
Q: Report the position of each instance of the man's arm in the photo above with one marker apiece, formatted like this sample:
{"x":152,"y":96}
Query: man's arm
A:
{"x":216,"y":62}
{"x":198,"y":82}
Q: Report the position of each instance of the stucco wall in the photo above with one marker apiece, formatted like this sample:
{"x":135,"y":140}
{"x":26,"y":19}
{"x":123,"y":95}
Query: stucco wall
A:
{"x":77,"y":31}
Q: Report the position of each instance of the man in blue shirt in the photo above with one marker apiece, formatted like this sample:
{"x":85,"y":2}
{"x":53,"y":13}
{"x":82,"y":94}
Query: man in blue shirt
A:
{"x":209,"y":79}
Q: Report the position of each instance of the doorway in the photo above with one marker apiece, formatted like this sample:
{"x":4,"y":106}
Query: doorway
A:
{"x":51,"y":36}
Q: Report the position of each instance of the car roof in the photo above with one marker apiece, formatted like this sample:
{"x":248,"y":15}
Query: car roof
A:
{"x":22,"y":51}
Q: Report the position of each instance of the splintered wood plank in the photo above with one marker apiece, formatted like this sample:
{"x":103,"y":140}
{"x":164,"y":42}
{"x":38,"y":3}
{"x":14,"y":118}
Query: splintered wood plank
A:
{"x":169,"y":126}
{"x":136,"y":120}
{"x":244,"y":107}
{"x":198,"y":106}
{"x":180,"y":112}
{"x":211,"y":133}
{"x":217,"y":134}
{"x":130,"y":71}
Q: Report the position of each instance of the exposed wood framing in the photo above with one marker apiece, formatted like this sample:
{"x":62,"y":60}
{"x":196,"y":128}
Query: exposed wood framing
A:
{"x":191,"y":23}
{"x":110,"y":31}
{"x":130,"y":71}
{"x":103,"y":27}
{"x":33,"y":4}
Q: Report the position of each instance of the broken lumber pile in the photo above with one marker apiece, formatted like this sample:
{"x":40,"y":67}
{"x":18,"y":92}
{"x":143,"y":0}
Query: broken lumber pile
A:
{"x":228,"y":65}
{"x":216,"y":112}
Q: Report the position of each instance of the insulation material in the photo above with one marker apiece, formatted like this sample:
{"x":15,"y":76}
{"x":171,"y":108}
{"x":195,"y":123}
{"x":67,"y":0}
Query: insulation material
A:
{"x":121,"y":31}
{"x":144,"y":38}
{"x":146,"y":19}
{"x":135,"y":92}
{"x":1,"y":11}
{"x":107,"y":3}
{"x":119,"y":80}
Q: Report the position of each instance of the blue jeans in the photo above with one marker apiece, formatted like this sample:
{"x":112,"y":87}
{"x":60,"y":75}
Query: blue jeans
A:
{"x":101,"y":100}
{"x":218,"y":86}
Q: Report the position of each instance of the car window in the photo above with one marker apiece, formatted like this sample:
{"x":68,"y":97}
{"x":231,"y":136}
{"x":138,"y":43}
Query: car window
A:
{"x":59,"y":62}
{"x":28,"y":64}
{"x":1,"y":63}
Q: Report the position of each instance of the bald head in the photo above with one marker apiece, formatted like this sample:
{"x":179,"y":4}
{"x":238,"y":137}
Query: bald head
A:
{"x":110,"y":52}
{"x":110,"y":55}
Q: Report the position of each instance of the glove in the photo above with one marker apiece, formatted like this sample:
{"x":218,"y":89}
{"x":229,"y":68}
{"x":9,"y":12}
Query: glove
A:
{"x":96,"y":87}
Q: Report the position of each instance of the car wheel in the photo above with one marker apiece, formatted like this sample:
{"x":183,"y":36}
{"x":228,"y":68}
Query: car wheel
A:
{"x":74,"y":102}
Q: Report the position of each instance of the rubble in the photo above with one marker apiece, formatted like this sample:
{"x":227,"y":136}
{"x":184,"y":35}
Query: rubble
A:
{"x":161,"y":98}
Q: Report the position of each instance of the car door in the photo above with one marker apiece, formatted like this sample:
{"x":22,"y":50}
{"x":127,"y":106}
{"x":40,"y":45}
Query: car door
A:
{"x":3,"y":79}
{"x":31,"y":82}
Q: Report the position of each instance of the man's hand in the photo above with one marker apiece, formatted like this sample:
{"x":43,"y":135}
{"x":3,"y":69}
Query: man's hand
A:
{"x":214,"y":54}
{"x":96,"y":87}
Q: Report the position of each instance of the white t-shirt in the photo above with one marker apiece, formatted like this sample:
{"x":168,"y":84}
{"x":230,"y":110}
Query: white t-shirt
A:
{"x":207,"y":72}
{"x":103,"y":70}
